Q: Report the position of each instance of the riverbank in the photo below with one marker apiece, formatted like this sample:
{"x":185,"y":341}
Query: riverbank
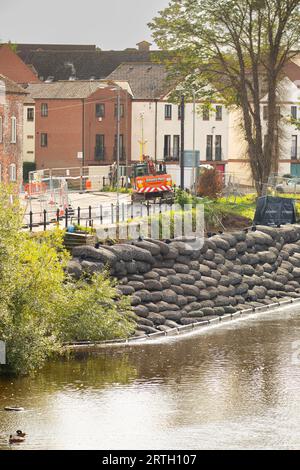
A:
{"x":182,"y":331}
{"x":178,"y":283}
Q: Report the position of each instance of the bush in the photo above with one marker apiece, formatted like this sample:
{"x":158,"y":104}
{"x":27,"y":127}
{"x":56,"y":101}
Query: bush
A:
{"x":210,"y":184}
{"x":39,"y":305}
{"x":94,"y":311}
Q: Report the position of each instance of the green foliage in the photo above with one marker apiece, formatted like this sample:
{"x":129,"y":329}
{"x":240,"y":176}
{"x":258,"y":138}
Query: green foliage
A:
{"x":112,"y":189}
{"x":94,"y":311}
{"x":183,"y":197}
{"x":39,"y":305}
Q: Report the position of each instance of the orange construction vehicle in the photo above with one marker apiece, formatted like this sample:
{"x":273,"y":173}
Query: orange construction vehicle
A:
{"x":151,"y":181}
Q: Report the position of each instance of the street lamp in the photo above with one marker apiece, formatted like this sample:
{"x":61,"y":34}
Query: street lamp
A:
{"x":117,"y":88}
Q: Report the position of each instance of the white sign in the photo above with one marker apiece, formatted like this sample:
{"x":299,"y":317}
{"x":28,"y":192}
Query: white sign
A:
{"x":80,"y":155}
{"x":2,"y":352}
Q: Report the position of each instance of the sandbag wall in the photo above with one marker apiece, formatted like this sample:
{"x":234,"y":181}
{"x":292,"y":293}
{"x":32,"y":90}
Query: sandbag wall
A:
{"x":173,"y":283}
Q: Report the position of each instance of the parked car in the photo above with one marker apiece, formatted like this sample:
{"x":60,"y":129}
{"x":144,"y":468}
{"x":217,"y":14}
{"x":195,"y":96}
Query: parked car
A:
{"x":289,"y":186}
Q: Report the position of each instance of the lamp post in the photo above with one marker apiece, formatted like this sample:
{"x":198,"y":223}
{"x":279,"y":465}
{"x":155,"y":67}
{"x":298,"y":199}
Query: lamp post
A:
{"x":194,"y":133}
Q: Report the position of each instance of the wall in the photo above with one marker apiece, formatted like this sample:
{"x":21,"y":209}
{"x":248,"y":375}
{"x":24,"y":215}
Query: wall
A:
{"x":64,"y":129}
{"x":11,"y":153}
{"x":107,"y":126}
{"x":172,"y":127}
{"x":28,"y":135}
{"x":180,"y":283}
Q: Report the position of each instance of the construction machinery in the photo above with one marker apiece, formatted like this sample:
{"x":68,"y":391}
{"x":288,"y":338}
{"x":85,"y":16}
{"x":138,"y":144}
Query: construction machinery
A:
{"x":151,"y":181}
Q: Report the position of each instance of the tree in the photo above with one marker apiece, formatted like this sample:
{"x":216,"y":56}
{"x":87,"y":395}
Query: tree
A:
{"x":40,"y":305}
{"x":239,"y":48}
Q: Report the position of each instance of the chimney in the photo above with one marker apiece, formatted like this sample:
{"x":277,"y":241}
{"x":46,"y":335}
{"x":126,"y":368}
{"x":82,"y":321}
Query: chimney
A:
{"x":144,"y":46}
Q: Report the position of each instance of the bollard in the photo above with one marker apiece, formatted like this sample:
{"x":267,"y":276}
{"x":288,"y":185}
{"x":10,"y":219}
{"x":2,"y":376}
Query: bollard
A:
{"x":66,"y":217}
{"x":30,"y":221}
{"x":90,"y":216}
{"x":101,"y":214}
{"x":78,"y":215}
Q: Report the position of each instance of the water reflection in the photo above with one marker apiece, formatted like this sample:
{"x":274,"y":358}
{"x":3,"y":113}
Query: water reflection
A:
{"x":232,"y":387}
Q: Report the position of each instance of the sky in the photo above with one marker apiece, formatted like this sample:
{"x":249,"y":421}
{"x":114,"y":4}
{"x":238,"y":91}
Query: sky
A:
{"x":109,"y":24}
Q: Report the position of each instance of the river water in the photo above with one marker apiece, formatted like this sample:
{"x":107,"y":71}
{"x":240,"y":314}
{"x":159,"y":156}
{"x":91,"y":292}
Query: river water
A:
{"x":234,"y":387}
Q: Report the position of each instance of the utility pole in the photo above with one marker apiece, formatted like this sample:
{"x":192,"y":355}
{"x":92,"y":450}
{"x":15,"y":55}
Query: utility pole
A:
{"x":182,"y":143}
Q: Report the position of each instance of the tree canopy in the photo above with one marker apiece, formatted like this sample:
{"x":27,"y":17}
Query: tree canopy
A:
{"x":236,"y":49}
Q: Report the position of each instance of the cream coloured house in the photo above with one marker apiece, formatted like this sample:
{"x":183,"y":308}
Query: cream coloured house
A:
{"x":29,"y":131}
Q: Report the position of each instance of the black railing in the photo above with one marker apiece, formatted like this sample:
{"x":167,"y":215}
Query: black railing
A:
{"x":92,"y":216}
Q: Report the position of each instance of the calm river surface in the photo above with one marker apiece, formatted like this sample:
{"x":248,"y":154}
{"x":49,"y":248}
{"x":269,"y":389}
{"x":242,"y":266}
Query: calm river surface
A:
{"x":236,"y":386}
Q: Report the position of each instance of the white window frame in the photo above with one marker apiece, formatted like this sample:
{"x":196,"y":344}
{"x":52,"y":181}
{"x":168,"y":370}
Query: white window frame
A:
{"x":13,"y":130}
{"x":12,"y":169}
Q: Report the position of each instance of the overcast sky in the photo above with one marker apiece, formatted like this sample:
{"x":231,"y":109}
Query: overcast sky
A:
{"x":110,"y":24}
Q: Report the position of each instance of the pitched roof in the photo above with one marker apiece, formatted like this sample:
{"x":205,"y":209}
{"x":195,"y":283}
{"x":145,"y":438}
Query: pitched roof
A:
{"x":147,"y":80}
{"x":11,"y":86}
{"x":83,"y":62}
{"x":12,"y":66}
{"x":77,"y":89}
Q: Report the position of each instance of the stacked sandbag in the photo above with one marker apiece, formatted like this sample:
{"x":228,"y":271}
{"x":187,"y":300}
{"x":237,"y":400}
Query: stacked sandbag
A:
{"x":178,"y":282}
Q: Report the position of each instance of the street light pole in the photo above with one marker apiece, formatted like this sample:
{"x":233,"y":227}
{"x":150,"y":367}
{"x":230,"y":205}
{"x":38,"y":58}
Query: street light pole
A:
{"x":194,"y":132}
{"x":182,"y":144}
{"x":118,"y":160}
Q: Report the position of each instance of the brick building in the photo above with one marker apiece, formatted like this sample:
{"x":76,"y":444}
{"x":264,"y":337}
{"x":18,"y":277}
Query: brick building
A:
{"x":12,"y":98}
{"x":75,"y":117}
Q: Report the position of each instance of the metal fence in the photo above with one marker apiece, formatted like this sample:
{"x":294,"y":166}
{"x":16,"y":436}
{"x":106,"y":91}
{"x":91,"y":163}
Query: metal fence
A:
{"x":92,"y":216}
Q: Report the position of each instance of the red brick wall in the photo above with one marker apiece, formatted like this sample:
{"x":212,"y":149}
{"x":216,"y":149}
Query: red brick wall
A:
{"x":14,"y":68}
{"x":11,"y":152}
{"x":107,"y":125}
{"x":63,"y":127}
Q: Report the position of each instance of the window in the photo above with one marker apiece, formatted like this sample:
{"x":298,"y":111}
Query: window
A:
{"x":30,"y":114}
{"x":44,"y":139}
{"x":44,"y":109}
{"x":168,"y":111}
{"x":1,"y":129}
{"x":13,"y":130}
{"x":294,"y":112}
{"x":122,"y":148}
{"x":167,"y":146}
{"x":294,"y":147}
{"x":100,"y":110}
{"x":121,"y":110}
{"x":12,"y":171}
{"x":218,"y":147}
{"x":176,"y":145}
{"x":100,"y":147}
{"x":205,"y":114}
{"x":209,"y":146}
{"x":218,"y":113}
{"x":265,"y":113}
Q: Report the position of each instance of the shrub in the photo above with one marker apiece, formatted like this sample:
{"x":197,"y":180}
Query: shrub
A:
{"x":210,"y":184}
